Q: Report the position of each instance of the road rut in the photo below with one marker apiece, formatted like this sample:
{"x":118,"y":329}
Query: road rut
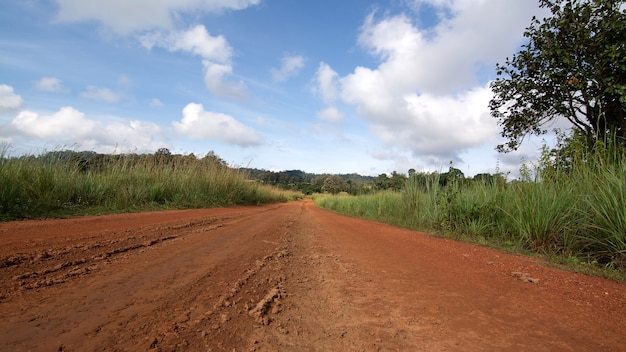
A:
{"x":286,"y":277}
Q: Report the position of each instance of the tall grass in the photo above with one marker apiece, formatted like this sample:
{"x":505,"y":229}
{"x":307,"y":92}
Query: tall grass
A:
{"x":33,"y":187}
{"x":578,"y":211}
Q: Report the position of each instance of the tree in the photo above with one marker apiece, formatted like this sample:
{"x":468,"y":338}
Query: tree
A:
{"x":573,"y":67}
{"x":212,"y":158}
{"x":334,"y":184}
{"x":453,"y":175}
{"x":163,"y":156}
{"x":397,"y":181}
{"x":382,"y":181}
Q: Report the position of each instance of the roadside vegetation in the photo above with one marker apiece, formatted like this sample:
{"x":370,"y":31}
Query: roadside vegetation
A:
{"x":569,"y":207}
{"x":72,"y":183}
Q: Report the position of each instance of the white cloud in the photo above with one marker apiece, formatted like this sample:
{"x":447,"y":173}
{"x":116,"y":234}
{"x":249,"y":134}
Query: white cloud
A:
{"x":127,"y":135}
{"x":445,"y":59}
{"x":66,"y":123}
{"x":125,"y":17}
{"x":331,"y":114}
{"x":326,"y":83}
{"x":196,"y":40}
{"x":290,"y":67}
{"x":101,"y":94}
{"x":215,"y":79}
{"x":199,"y":42}
{"x":49,"y":84}
{"x":69,"y":126}
{"x":8,"y":99}
{"x":215,"y":53}
{"x":428,"y":96}
{"x":198,"y":123}
{"x":439,"y":127}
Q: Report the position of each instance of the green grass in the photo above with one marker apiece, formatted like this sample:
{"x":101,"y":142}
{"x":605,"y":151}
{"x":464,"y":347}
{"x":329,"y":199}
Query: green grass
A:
{"x":36,"y":187}
{"x":574,"y":216}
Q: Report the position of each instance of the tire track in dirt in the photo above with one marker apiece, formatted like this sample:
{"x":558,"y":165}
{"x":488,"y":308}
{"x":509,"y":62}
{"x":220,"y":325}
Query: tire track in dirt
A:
{"x":140,"y":287}
{"x":286,"y":277}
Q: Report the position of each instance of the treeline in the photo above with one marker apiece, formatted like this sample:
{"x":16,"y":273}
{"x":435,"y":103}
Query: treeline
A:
{"x":397,"y":181}
{"x":309,"y":183}
{"x":355,"y":184}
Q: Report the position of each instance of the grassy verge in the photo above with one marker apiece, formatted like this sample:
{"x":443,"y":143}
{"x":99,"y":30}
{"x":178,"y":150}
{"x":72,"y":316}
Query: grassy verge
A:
{"x":36,"y":187}
{"x":574,"y":217}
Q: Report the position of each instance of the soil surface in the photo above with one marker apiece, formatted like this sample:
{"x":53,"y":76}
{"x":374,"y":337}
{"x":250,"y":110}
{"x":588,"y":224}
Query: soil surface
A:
{"x":287,"y":277}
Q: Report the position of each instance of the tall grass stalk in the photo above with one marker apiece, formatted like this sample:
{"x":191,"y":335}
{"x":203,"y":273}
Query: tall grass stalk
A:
{"x":602,"y":206}
{"x":33,"y":187}
{"x":541,"y":216}
{"x":573,"y":209}
{"x":420,"y":199}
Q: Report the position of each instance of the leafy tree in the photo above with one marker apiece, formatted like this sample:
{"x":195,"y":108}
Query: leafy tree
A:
{"x":334,"y":184}
{"x":163,"y":156}
{"x":163,"y":151}
{"x":573,"y":67}
{"x":397,"y":181}
{"x":212,"y":158}
{"x":484,"y":178}
{"x":382,"y":181}
{"x":453,"y":175}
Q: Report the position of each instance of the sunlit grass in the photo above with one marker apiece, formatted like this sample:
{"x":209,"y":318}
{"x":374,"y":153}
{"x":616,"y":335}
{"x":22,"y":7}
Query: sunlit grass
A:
{"x":34,"y":187}
{"x":577,"y":214}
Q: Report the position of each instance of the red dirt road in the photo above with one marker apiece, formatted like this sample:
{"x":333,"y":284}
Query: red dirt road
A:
{"x":287,"y":277}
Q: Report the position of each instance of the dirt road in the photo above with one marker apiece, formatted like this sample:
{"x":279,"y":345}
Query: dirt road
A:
{"x":286,"y":277}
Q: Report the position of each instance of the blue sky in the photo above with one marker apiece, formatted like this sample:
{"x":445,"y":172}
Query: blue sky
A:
{"x":321,"y":86}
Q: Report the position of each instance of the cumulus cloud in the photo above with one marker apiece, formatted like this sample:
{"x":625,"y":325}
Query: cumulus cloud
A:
{"x":445,"y":59}
{"x":326,"y":83}
{"x":196,"y":40}
{"x":8,"y":99}
{"x":67,"y":122}
{"x":215,"y":79}
{"x":428,"y":95}
{"x":198,"y":123}
{"x":125,"y":17}
{"x":215,"y":53}
{"x":101,"y":94}
{"x":153,"y":24}
{"x":439,"y":127}
{"x":331,"y":114}
{"x":49,"y":84}
{"x":290,"y":67}
{"x":69,"y":126}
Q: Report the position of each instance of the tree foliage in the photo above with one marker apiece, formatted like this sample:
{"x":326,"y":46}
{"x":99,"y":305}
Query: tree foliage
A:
{"x":334,"y":184}
{"x":573,"y":67}
{"x":395,"y":182}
